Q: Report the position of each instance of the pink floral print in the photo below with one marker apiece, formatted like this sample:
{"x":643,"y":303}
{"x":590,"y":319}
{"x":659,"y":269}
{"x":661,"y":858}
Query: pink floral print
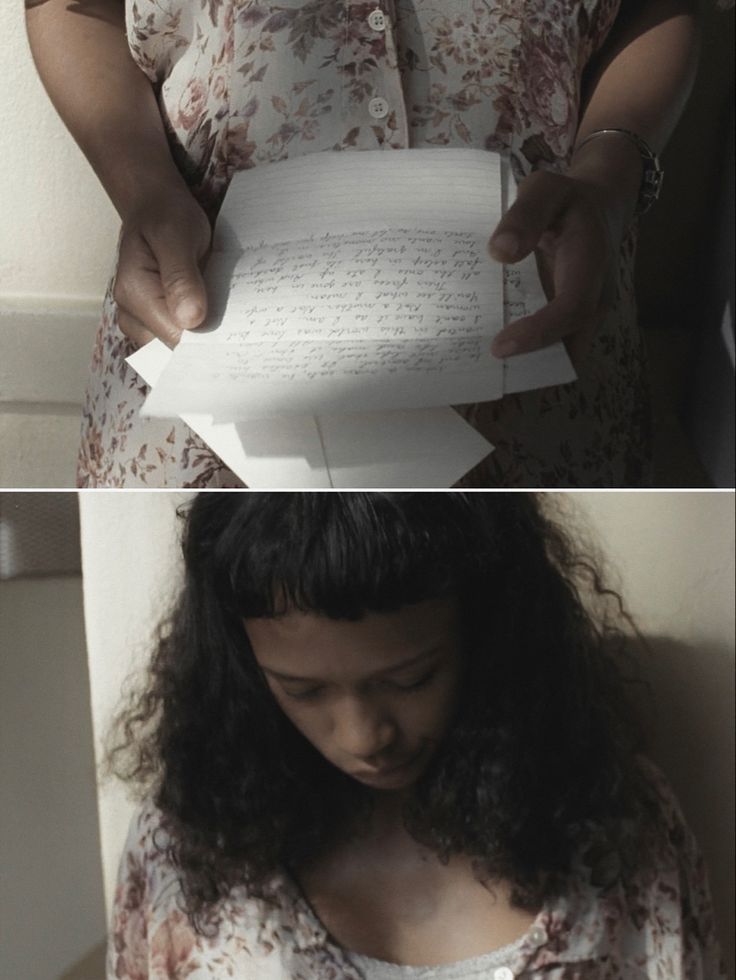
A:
{"x":656,"y":926}
{"x":242,"y":83}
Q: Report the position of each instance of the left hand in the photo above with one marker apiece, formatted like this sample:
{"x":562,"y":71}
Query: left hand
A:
{"x":575,"y":229}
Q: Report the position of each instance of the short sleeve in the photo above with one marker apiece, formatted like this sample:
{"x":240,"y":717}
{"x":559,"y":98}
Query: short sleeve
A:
{"x":152,"y":937}
{"x":692,"y":915}
{"x":159,"y":34}
{"x":127,"y":945}
{"x":596,"y":19}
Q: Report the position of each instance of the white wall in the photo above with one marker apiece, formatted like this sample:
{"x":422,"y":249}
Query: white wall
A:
{"x":51,"y":898}
{"x":58,"y":235}
{"x":675,"y":556}
{"x":124,"y":598}
{"x":44,"y":358}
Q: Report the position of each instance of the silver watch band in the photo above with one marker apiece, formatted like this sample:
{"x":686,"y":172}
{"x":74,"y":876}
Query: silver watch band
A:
{"x":651,"y":182}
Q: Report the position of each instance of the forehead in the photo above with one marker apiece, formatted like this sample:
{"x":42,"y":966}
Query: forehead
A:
{"x":310,"y":645}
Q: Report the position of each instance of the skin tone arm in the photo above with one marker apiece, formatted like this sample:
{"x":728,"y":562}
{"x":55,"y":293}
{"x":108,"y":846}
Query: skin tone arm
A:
{"x":165,"y":234}
{"x":640,"y":81}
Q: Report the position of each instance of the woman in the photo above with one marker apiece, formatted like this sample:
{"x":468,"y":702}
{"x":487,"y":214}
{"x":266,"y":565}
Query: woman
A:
{"x":383,"y":737}
{"x":580,"y":95}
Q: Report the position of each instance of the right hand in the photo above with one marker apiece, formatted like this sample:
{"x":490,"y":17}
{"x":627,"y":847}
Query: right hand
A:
{"x":159,"y":290}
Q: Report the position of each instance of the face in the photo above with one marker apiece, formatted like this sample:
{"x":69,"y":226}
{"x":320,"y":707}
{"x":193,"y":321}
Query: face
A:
{"x":374,"y":696}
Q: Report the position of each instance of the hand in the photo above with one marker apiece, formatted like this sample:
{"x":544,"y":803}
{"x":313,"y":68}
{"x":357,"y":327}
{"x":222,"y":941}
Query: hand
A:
{"x":575,"y":227}
{"x":159,"y":288}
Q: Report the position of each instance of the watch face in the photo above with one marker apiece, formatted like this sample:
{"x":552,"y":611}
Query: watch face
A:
{"x":651,"y":185}
{"x":654,"y":176}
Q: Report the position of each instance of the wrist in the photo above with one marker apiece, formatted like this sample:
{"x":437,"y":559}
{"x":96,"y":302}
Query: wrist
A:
{"x":159,"y":188}
{"x":611,"y":165}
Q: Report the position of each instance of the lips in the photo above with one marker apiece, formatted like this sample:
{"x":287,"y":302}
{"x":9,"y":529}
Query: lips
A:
{"x":386,"y":770}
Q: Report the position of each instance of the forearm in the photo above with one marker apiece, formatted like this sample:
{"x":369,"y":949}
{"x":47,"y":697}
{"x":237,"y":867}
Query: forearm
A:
{"x":107,"y":103}
{"x":641,"y":82}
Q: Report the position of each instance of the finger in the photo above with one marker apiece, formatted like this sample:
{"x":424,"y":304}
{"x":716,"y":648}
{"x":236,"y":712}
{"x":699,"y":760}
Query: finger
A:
{"x":553,"y":322}
{"x":580,"y":263}
{"x":541,"y":198}
{"x":140,"y":293}
{"x":133,"y":329}
{"x":183,"y":285}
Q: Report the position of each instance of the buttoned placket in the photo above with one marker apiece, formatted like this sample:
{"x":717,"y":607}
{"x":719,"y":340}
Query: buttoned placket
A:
{"x":535,"y":938}
{"x":380,"y":110}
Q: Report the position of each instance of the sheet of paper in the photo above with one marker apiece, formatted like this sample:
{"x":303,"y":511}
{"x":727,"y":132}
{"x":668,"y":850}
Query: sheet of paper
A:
{"x":428,"y":448}
{"x":424,"y":448}
{"x":283,"y":453}
{"x":347,"y":282}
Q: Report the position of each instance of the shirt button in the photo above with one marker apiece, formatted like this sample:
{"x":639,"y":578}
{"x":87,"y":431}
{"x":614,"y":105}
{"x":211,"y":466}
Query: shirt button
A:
{"x":378,"y":107}
{"x":377,"y":20}
{"x":503,"y":973}
{"x":538,"y":936}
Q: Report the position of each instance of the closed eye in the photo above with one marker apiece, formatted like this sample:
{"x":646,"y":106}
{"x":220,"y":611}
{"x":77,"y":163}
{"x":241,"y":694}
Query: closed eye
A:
{"x":312,"y":693}
{"x":308,"y":695}
{"x":415,"y":685}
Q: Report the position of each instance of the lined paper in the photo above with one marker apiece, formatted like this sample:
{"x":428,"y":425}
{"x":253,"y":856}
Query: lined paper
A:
{"x":356,"y":282}
{"x":347,"y":282}
{"x":431,"y":447}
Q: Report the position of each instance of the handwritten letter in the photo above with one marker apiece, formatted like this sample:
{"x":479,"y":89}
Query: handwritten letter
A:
{"x":348,"y":282}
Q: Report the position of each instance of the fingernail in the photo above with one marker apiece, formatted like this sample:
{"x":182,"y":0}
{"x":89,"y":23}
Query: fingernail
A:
{"x":507,"y":244}
{"x":505,"y":347}
{"x":188,"y":311}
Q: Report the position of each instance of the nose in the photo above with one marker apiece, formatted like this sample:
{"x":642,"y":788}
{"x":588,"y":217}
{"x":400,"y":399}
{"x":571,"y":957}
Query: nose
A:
{"x":363,"y":730}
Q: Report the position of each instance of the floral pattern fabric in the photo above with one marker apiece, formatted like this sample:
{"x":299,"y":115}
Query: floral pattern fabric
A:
{"x":243,"y":83}
{"x":658,"y":926}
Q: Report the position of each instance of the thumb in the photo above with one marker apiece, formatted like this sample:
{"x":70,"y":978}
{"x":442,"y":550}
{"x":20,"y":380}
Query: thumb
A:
{"x":540,"y":198}
{"x":184,"y":288}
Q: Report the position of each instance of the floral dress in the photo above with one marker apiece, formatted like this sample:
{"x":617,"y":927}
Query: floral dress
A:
{"x":658,"y":926}
{"x":243,"y":83}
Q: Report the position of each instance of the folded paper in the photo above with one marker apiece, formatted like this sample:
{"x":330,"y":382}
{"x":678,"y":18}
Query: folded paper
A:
{"x":355,"y":282}
{"x":429,"y":448}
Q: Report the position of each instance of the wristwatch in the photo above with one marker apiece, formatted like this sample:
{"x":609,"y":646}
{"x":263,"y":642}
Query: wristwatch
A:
{"x":651,"y":181}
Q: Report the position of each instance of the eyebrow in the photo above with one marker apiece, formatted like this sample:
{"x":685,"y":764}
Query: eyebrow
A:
{"x":419,"y":658}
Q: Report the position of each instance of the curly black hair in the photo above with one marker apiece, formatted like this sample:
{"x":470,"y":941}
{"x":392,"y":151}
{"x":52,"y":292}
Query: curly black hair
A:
{"x":539,"y":765}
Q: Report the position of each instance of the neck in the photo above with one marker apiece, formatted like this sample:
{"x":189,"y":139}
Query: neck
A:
{"x":386,"y":819}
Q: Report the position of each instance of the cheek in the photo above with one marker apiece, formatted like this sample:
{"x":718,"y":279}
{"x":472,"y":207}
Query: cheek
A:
{"x":442,"y":714}
{"x":313,"y":725}
{"x":427,"y":717}
{"x":445,"y":702}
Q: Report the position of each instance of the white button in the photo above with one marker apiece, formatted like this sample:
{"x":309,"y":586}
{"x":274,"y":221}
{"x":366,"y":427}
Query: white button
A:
{"x":378,"y":107}
{"x":377,"y":20}
{"x":503,"y":973}
{"x":538,"y":936}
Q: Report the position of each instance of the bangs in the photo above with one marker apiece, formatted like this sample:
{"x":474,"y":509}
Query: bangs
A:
{"x":345,"y":554}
